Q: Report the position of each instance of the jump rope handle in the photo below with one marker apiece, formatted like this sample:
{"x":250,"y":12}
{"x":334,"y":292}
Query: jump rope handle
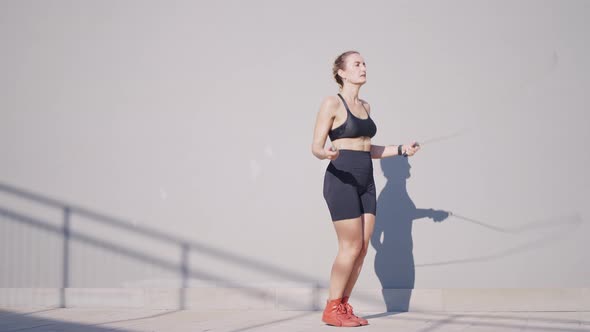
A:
{"x":413,"y":145}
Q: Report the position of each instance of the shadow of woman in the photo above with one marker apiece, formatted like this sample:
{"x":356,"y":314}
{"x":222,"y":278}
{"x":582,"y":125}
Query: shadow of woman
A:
{"x":392,"y":237}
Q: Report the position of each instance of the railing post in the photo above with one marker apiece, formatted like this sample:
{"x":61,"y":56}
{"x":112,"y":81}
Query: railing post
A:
{"x":184,"y":251}
{"x":66,"y":255}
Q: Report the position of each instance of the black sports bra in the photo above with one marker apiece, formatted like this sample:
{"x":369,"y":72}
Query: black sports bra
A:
{"x":353,"y":126}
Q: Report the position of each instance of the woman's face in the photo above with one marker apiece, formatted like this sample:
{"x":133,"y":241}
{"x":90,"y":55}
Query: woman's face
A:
{"x":355,"y":70}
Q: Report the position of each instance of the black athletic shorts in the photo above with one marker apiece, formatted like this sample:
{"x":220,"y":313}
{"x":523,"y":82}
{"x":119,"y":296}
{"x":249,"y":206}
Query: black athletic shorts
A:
{"x":349,"y":187}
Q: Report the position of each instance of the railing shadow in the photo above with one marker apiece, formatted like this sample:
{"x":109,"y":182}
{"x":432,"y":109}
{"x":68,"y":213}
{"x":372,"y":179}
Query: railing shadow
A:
{"x":186,"y":248}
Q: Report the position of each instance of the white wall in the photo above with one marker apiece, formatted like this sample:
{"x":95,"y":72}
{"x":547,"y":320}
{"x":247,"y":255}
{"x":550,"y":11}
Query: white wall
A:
{"x":191,"y":122}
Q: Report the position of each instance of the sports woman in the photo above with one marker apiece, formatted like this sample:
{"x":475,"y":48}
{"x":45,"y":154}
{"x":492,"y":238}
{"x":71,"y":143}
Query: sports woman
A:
{"x":349,"y":188}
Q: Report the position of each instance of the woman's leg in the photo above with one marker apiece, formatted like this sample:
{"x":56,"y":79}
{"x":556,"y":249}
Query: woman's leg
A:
{"x":368,"y":224}
{"x":350,"y":244}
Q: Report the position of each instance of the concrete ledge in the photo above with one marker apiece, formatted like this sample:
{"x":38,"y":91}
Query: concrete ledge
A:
{"x":302,"y":298}
{"x":559,"y":299}
{"x":33,"y":297}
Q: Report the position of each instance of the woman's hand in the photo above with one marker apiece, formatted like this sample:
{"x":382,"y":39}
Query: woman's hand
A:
{"x":411,"y":149}
{"x":331,"y":152}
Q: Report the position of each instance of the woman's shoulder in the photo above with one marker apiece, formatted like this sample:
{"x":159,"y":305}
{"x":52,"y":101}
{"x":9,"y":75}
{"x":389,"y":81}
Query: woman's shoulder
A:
{"x":330,"y":105}
{"x":331,"y":101}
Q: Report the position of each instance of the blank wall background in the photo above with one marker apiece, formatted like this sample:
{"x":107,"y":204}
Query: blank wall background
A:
{"x":192,"y":121}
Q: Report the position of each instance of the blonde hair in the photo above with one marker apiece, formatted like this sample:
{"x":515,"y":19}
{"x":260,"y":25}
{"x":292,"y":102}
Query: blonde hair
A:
{"x":339,"y":64}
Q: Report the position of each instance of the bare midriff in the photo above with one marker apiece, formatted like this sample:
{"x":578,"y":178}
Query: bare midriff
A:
{"x":356,"y":143}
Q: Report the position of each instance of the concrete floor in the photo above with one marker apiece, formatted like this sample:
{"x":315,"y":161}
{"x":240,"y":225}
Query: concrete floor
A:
{"x":101,"y":320}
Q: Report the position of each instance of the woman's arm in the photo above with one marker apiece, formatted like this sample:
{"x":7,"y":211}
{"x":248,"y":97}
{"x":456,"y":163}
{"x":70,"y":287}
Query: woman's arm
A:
{"x":323,"y":124}
{"x":378,"y":151}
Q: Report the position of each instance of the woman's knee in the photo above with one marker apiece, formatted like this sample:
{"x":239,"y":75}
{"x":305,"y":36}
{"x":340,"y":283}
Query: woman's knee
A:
{"x":351,"y":248}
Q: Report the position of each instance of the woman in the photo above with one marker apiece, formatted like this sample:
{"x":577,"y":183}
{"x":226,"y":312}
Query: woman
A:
{"x":349,"y":188}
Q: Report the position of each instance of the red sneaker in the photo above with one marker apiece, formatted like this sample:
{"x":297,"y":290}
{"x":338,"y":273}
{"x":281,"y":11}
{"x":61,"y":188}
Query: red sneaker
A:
{"x":348,"y":307}
{"x":335,"y":314}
